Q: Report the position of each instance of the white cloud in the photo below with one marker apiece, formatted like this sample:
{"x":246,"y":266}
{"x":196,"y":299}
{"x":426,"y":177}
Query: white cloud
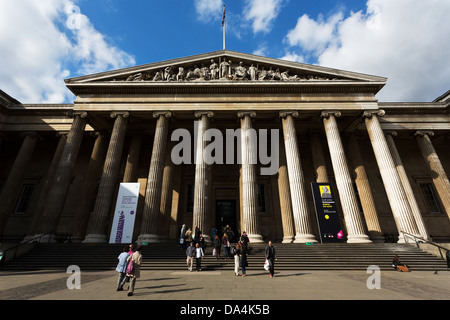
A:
{"x":406,"y":41}
{"x":314,"y":35}
{"x":262,"y":13}
{"x":37,"y":49}
{"x":292,"y":56}
{"x":208,"y":10}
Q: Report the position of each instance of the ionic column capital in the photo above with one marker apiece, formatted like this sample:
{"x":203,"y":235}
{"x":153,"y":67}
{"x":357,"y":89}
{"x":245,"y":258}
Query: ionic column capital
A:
{"x":391,"y":133}
{"x":81,"y":114}
{"x":285,"y":113}
{"x":423,"y":133}
{"x":32,"y":134}
{"x":251,"y":114}
{"x":124,"y":114}
{"x":369,"y":113}
{"x":327,"y":113}
{"x":199,"y":114}
{"x":166,"y":114}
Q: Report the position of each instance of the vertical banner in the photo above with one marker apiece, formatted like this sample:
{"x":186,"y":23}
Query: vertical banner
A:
{"x":326,"y":212}
{"x":125,"y":213}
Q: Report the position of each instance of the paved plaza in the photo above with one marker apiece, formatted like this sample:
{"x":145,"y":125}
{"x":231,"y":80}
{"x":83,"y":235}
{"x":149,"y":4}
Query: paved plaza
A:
{"x":224,"y":285}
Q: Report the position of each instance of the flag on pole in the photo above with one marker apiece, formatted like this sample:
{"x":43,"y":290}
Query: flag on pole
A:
{"x":223,"y":18}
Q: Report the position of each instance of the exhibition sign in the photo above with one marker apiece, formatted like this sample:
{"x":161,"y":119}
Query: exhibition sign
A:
{"x":125,"y":213}
{"x":326,"y":212}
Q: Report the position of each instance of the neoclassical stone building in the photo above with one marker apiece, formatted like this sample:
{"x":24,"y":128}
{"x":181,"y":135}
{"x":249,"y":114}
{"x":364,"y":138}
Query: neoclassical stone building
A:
{"x":269,"y":128}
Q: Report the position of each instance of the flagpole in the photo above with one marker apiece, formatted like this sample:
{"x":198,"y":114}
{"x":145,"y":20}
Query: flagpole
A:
{"x":223,"y":27}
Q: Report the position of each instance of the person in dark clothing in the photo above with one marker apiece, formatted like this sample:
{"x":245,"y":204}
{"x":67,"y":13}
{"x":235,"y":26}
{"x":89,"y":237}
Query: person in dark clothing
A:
{"x":244,"y":241}
{"x":398,"y":265}
{"x":271,"y":256}
{"x":217,"y":245}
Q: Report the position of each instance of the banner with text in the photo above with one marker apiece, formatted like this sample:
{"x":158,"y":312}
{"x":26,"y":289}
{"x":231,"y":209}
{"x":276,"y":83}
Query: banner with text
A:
{"x":326,"y":212}
{"x":125,"y":213}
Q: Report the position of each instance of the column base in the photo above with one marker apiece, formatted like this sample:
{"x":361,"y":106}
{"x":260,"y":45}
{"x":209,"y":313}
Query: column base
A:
{"x":255,"y":238}
{"x":409,"y":240}
{"x":288,"y":239}
{"x":95,"y":238}
{"x":148,"y":238}
{"x":359,"y":238}
{"x":303,"y":238}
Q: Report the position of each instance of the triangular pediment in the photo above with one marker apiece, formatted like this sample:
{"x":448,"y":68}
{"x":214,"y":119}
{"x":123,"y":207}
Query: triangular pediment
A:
{"x":223,"y":68}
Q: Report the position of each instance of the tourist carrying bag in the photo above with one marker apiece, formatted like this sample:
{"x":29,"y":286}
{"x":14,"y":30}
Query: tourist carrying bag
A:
{"x":130,"y":267}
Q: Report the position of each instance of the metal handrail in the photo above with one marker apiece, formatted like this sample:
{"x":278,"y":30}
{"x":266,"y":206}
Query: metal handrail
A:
{"x":16,"y":247}
{"x":422,"y":240}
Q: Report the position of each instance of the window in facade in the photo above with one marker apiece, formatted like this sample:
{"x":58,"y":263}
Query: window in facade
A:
{"x":25,"y":198}
{"x":261,"y":199}
{"x":430,"y":197}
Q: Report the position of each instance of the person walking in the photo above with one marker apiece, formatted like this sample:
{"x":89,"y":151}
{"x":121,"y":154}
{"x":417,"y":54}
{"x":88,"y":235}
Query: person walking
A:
{"x":181,"y":237}
{"x":217,"y":245}
{"x":188,"y":236}
{"x":213,"y":232}
{"x":226,"y":246}
{"x":236,"y":252}
{"x":243,"y":263}
{"x":190,"y":254}
{"x":244,"y":240}
{"x":136,"y":260}
{"x":271,"y":256}
{"x":122,"y":268}
{"x":198,"y":257}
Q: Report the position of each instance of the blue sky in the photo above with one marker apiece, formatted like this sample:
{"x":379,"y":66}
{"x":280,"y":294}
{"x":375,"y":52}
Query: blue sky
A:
{"x":44,"y":42}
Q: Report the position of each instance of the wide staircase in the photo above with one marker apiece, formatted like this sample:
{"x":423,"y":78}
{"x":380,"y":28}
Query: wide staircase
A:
{"x":168,"y":256}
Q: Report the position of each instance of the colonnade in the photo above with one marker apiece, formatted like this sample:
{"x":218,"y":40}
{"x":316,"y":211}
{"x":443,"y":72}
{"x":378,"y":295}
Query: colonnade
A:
{"x":295,"y":214}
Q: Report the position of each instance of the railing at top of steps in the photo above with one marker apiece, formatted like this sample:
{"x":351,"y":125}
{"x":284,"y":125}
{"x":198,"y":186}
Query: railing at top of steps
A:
{"x":418,"y":240}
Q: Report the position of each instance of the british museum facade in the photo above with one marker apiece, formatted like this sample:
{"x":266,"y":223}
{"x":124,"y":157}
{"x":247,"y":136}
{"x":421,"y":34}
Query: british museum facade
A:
{"x":284,"y":151}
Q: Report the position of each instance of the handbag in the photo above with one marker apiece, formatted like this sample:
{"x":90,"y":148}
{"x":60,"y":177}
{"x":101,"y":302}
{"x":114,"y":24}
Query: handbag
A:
{"x":266,"y":265}
{"x":214,"y":252}
{"x":130,"y":268}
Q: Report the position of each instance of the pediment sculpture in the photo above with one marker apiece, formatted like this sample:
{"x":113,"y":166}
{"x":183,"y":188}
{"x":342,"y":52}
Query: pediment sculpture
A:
{"x":224,"y":70}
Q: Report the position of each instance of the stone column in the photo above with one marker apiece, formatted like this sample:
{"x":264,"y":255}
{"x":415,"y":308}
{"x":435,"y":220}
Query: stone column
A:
{"x":96,"y":229}
{"x":249,"y":182}
{"x":318,"y":159}
{"x":394,"y":189}
{"x":202,"y":181}
{"x":364,"y":190}
{"x":12,"y":187}
{"x":92,"y":175}
{"x":54,"y":204}
{"x":352,"y":216}
{"x":406,"y":185}
{"x":149,"y":226}
{"x":166,"y":195}
{"x":46,"y":184}
{"x":133,"y":159}
{"x":437,"y":172}
{"x":302,"y":220}
{"x":284,"y":193}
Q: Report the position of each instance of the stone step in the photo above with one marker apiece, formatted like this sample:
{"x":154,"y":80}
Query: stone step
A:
{"x":167,"y":256}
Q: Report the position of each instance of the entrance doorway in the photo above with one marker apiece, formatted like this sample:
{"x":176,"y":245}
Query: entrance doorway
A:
{"x":226,"y":215}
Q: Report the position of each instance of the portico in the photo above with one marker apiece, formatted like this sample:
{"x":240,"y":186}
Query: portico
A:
{"x":312,"y":123}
